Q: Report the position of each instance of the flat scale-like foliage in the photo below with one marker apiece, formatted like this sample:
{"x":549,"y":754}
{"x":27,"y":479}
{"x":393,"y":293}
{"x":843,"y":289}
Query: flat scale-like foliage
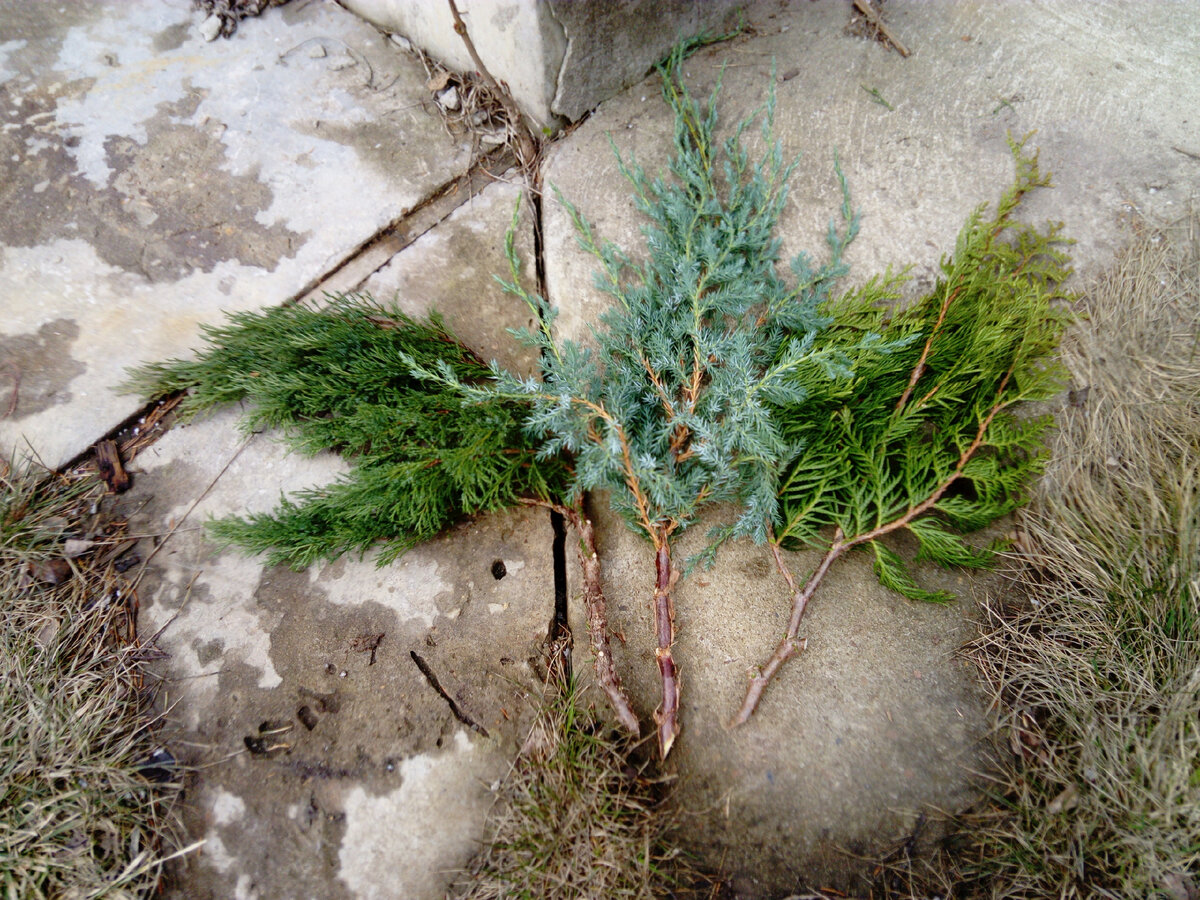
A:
{"x":932,"y":409}
{"x":922,"y":437}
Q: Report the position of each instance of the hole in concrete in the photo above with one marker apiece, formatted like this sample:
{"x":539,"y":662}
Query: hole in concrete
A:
{"x":499,"y":570}
{"x":307,"y":717}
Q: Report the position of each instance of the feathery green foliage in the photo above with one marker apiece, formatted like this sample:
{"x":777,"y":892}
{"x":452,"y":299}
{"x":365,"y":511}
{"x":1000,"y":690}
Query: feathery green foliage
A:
{"x":338,"y":377}
{"x":924,"y":432}
{"x":671,"y":412}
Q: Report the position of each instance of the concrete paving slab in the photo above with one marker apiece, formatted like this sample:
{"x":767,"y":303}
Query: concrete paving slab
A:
{"x":381,"y":792}
{"x":452,"y":268}
{"x":377,"y":790}
{"x":160,"y":180}
{"x":1108,"y":89}
{"x":875,"y":721}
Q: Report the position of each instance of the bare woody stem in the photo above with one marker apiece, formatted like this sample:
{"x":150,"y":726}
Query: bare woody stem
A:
{"x":666,"y":717}
{"x":595,"y":608}
{"x":526,"y":143}
{"x":594,"y":604}
{"x":789,"y":643}
{"x":919,"y":368}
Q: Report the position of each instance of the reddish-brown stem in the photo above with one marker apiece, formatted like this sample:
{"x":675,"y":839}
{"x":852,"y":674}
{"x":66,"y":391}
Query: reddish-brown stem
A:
{"x":654,"y":380}
{"x":596,"y":610}
{"x":919,"y":368}
{"x":666,"y":717}
{"x":789,"y":644}
{"x":594,"y":604}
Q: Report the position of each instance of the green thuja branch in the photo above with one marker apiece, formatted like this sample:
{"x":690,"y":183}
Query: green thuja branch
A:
{"x":923,"y":437}
{"x":338,"y":377}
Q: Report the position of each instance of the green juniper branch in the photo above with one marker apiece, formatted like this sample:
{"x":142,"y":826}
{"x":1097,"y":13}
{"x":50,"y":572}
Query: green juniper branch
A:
{"x":336,"y":377}
{"x":423,"y":455}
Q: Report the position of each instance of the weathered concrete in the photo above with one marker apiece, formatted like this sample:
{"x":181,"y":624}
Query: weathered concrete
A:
{"x":874,"y":723}
{"x":876,"y":720}
{"x":518,"y":40}
{"x":453,"y":267}
{"x":1108,"y":89}
{"x":612,"y":45}
{"x":559,"y":58}
{"x":385,"y":795}
{"x":160,"y":180}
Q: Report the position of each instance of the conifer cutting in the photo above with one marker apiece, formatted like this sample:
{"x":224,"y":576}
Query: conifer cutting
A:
{"x":826,"y":421}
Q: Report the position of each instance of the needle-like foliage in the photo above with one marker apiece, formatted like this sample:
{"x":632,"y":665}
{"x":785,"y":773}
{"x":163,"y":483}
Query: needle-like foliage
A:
{"x":337,"y":377}
{"x":671,"y":411}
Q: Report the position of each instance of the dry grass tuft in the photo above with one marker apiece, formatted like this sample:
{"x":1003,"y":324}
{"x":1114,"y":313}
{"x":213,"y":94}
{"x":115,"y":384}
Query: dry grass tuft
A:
{"x":82,"y":813}
{"x":575,"y":818}
{"x":1098,"y":677}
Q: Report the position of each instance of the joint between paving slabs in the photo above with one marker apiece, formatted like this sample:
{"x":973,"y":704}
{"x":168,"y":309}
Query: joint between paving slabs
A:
{"x":377,"y":251}
{"x":559,"y":638}
{"x":151,"y":421}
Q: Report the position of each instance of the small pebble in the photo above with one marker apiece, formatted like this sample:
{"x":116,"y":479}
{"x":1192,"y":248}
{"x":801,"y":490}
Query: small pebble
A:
{"x":448,"y":99}
{"x":210,"y":28}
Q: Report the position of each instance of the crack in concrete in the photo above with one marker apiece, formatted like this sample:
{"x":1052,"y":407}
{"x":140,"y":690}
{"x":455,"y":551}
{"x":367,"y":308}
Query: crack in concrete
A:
{"x":347,"y":275}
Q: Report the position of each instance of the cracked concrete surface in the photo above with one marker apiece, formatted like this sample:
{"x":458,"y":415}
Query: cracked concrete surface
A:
{"x":375,"y":790}
{"x":159,"y":182}
{"x":162,"y":181}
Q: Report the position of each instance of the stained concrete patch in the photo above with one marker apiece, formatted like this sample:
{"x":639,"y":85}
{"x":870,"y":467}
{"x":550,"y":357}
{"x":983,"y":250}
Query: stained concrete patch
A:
{"x":384,"y":856}
{"x":1106,"y":90}
{"x":36,"y":370}
{"x":412,"y":591}
{"x":169,"y":208}
{"x":297,"y":692}
{"x":162,"y":180}
{"x":875,"y":722}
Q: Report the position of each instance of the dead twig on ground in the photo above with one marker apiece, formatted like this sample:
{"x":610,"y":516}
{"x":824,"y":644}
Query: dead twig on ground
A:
{"x":525,"y":144}
{"x":437,"y":686}
{"x":881,"y":30}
